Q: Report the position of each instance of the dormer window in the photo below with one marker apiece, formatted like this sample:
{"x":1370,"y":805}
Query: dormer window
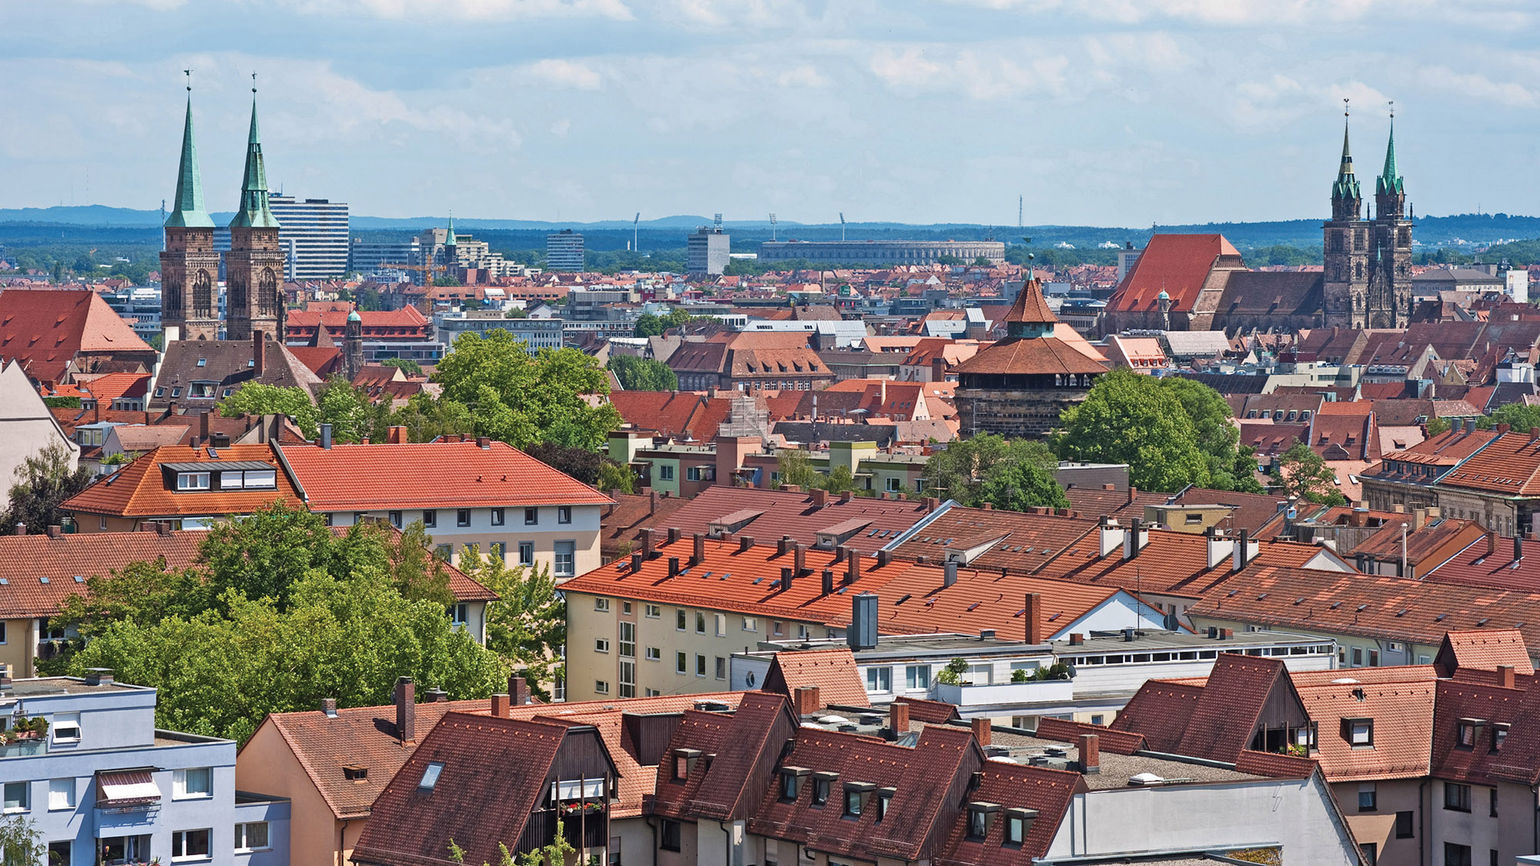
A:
{"x":684,"y":762}
{"x":1499,"y":735}
{"x":1466,"y":732}
{"x":981,"y":816}
{"x":822,"y":782}
{"x":884,"y":802}
{"x":857,"y":795}
{"x":791,"y":782}
{"x":1018,"y":823}
{"x":192,"y":481}
{"x":1359,"y":733}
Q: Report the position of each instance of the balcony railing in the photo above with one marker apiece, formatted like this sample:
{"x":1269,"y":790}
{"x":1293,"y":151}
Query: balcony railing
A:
{"x":1031,"y":691}
{"x":24,"y":748}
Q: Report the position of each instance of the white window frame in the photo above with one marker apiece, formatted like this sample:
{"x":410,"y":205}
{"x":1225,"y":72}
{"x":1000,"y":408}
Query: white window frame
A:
{"x":179,"y":843}
{"x":61,"y":794}
{"x":24,"y":801}
{"x":179,"y":789}
{"x":63,"y":724}
{"x":243,"y":840}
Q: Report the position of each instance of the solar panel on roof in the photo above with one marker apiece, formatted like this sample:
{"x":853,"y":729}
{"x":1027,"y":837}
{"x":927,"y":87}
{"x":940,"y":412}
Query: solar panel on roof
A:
{"x":705,"y":576}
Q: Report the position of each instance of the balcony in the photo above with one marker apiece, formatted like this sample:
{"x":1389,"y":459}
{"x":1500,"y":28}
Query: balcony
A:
{"x":966,"y":695}
{"x":24,"y":748}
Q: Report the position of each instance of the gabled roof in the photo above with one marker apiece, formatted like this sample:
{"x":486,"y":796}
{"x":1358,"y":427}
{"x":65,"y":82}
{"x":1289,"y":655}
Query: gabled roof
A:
{"x":1399,"y":700}
{"x":1510,"y":466}
{"x":414,"y":826}
{"x":672,"y":413}
{"x":44,"y":330}
{"x":37,"y":572}
{"x":1231,"y":706}
{"x":141,"y":488}
{"x":784,"y":513}
{"x":731,"y":786}
{"x":1483,"y":650}
{"x":443,"y":474}
{"x":832,"y":671}
{"x":1158,"y":712}
{"x":1176,"y":264}
{"x":1019,"y":541}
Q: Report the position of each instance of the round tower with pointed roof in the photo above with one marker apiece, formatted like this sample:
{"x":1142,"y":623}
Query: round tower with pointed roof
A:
{"x":189,"y":267}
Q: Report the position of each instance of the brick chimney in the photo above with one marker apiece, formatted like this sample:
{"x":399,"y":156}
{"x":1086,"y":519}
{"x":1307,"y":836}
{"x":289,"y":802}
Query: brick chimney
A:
{"x":745,"y":543}
{"x":798,"y":557}
{"x":500,"y":705}
{"x":1505,"y":676}
{"x":674,"y":534}
{"x":698,"y":549}
{"x":1090,"y":754}
{"x":854,"y":559}
{"x":648,"y":544}
{"x":1032,"y":612}
{"x":820,"y":497}
{"x":397,"y":435}
{"x":806,"y":701}
{"x":329,"y":707}
{"x":898,"y":717}
{"x":518,"y":689}
{"x":981,"y":730}
{"x":406,"y":709}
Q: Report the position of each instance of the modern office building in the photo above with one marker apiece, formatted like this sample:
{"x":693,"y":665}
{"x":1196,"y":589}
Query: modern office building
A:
{"x":537,"y":334}
{"x":369,"y":257}
{"x":319,"y":230}
{"x":102,"y":785}
{"x":882,"y":253}
{"x":708,"y":252}
{"x":564,"y":251}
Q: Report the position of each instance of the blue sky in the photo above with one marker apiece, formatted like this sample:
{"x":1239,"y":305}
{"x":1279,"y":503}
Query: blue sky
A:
{"x":1109,"y":112}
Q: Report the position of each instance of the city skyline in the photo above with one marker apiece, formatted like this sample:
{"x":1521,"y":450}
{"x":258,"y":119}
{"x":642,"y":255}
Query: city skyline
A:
{"x":1117,"y":113}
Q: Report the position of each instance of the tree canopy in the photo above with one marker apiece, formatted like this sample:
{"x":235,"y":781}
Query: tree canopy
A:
{"x":279,"y":612}
{"x":1516,"y":415}
{"x":43,"y":481}
{"x":653,"y":325}
{"x":1171,"y":433}
{"x":524,"y":399}
{"x":1012,"y":475}
{"x":527,"y":625}
{"x":643,"y":374}
{"x":255,"y":398}
{"x":1302,"y":473}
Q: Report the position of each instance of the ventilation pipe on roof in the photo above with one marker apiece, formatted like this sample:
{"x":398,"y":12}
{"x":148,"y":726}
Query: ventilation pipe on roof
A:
{"x":949,"y":574}
{"x":828,"y":581}
{"x":1518,"y":548}
{"x":863,"y":622}
{"x":326,"y":436}
{"x":1134,"y":540}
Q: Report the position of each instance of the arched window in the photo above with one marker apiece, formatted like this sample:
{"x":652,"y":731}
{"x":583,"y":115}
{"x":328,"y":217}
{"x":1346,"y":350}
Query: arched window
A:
{"x":203,"y":295}
{"x":267,"y":292}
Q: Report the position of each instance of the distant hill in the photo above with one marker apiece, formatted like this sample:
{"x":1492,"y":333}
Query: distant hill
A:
{"x":87,"y":222}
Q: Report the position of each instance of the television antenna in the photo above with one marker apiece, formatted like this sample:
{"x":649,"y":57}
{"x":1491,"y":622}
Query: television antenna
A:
{"x":772,"y":227}
{"x":636,"y":245}
{"x":1020,"y":209}
{"x":719,"y":223}
{"x":842,"y":225}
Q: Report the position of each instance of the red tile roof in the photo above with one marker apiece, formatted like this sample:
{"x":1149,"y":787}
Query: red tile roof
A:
{"x":26,"y":561}
{"x":1019,"y":541}
{"x":1173,"y":563}
{"x":430,"y":475}
{"x":1030,"y":356}
{"x":1485,"y":651}
{"x":1510,"y":466}
{"x":1158,"y":712}
{"x":833,"y":671}
{"x":1109,"y":739}
{"x":44,"y":330}
{"x":140,"y":488}
{"x":1176,"y":264}
{"x":784,"y":513}
{"x":1231,"y":706}
{"x":672,"y":413}
{"x":1400,"y":700}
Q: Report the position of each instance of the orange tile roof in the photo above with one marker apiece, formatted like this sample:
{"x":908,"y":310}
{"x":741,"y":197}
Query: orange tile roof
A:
{"x":1170,"y":562}
{"x":27,"y":561}
{"x":1399,"y":699}
{"x":1176,"y":264}
{"x":833,"y":671}
{"x":1485,"y":650}
{"x":1029,"y":356}
{"x":784,"y":513}
{"x":406,"y":475}
{"x":139,"y":489}
{"x":1509,"y":466}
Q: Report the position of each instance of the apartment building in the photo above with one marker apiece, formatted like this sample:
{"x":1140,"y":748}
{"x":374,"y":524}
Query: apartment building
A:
{"x":317,"y":231}
{"x":564,"y":251}
{"x":103,"y":786}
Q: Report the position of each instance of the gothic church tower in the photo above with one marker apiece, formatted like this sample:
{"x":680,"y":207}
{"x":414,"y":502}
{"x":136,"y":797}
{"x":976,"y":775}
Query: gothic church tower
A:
{"x":1346,"y":247}
{"x":1391,"y":305}
{"x":189,"y":267}
{"x":254,"y":265}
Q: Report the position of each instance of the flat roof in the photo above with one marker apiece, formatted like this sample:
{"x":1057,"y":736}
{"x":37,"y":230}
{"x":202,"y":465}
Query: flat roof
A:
{"x":1104,"y":642}
{"x":42,"y":687}
{"x":1116,"y":769}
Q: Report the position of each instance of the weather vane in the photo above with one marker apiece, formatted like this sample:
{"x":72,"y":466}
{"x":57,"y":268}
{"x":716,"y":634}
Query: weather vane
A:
{"x":1345,"y":106}
{"x":188,"y":72}
{"x":253,"y":82}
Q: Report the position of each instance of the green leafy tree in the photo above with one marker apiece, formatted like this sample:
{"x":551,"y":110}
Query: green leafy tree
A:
{"x":1231,"y":465}
{"x":43,"y":482}
{"x":353,"y":416}
{"x":427,"y":418}
{"x":613,"y":476}
{"x":406,"y":365}
{"x":527,"y":624}
{"x":1516,"y":415}
{"x":795,"y":468}
{"x":643,"y":374}
{"x":256,"y":398}
{"x":20,"y":841}
{"x":987,"y":468}
{"x":1129,"y":418}
{"x":525,"y":399}
{"x":839,"y":480}
{"x":1435,"y":427}
{"x":648,"y":325}
{"x":1301,"y":472}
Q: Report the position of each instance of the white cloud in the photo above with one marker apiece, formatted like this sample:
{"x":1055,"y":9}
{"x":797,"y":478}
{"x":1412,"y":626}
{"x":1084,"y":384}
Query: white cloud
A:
{"x":561,"y":127}
{"x":978,"y":74}
{"x":1472,"y":85}
{"x":463,"y":10}
{"x":802,"y":75}
{"x":565,"y":73}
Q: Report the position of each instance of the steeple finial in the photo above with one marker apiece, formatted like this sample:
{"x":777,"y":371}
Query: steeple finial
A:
{"x":1345,"y":191}
{"x":188,"y":211}
{"x":1390,"y":182}
{"x":449,"y":237}
{"x":253,"y":211}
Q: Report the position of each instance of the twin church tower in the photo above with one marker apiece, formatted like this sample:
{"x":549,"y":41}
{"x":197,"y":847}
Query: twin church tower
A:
{"x":189,"y":266}
{"x":1368,"y":280}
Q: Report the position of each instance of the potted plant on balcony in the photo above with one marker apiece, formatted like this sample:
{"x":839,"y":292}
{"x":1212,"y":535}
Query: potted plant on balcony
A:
{"x":951,"y":675}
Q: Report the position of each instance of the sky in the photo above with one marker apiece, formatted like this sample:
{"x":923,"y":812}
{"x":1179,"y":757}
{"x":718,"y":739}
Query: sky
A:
{"x":1099,"y":112}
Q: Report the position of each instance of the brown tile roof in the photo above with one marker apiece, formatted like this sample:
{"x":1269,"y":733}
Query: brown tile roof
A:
{"x":1030,"y":356}
{"x":1030,"y":307}
{"x":1022,"y":541}
{"x":731,"y":785}
{"x":1519,"y":708}
{"x":1510,"y":466}
{"x":430,"y":475}
{"x":796,"y":515}
{"x":1098,"y":502}
{"x":1399,"y":699}
{"x":1109,"y":739}
{"x":932,"y":712}
{"x":1226,"y":714}
{"x":622,"y":525}
{"x":1170,"y":562}
{"x":44,"y":331}
{"x":833,"y":671}
{"x":414,"y":827}
{"x":1049,"y":792}
{"x":27,"y":561}
{"x":1484,"y":650}
{"x":1176,"y":264}
{"x":1158,"y":712}
{"x":140,"y":488}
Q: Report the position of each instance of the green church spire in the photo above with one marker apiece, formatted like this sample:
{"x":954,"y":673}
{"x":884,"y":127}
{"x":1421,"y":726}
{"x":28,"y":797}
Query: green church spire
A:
{"x":1346,"y":186}
{"x":1389,"y":181}
{"x":449,"y":239}
{"x":188,"y":212}
{"x":253,"y":211}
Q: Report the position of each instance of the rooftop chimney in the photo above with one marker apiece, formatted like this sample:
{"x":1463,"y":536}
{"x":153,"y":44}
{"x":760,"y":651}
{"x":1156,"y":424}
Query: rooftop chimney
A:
{"x":1076,"y":639}
{"x":981,"y":730}
{"x":853,"y":558}
{"x":828,"y":581}
{"x":437,"y":696}
{"x":1219,"y":548}
{"x":673,"y":566}
{"x":397,"y":435}
{"x":863,"y":622}
{"x":98,"y":676}
{"x":484,"y":443}
{"x":820,"y":497}
{"x":674,"y":534}
{"x":406,"y":709}
{"x":898,"y":717}
{"x":1242,"y":555}
{"x":788,"y":574}
{"x":1133,"y":541}
{"x":648,"y":544}
{"x":21,"y":529}
{"x":55,"y":530}
{"x":1032,"y":612}
{"x":1111,"y":536}
{"x":806,"y":700}
{"x":1090,"y":754}
{"x":884,"y":556}
{"x":500,"y":706}
{"x":799,"y":557}
{"x":1505,"y":676}
{"x":326,"y":436}
{"x":782,"y":546}
{"x":745,"y":542}
{"x":698,"y":549}
{"x":949,"y":573}
{"x":329,"y":707}
{"x":1133,"y":493}
{"x":1518,"y":548}
{"x":518,"y":689}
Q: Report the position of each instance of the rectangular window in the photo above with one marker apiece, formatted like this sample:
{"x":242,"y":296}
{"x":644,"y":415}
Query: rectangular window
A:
{"x":777,"y":629}
{"x":978,"y":824}
{"x":463,"y":517}
{"x":681,"y":663}
{"x":17,"y":797}
{"x":1360,"y":733}
{"x":497,"y":517}
{"x":653,"y":654}
{"x":61,"y":853}
{"x":681,"y":619}
{"x":531,"y":517}
{"x":700,"y":623}
{"x":601,"y":645}
{"x":1015,"y":829}
{"x":602,"y":604}
{"x":526,"y":553}
{"x":192,"y":481}
{"x":1358,"y":657}
{"x":1456,"y":797}
{"x":668,"y":834}
{"x":628,"y":679}
{"x":879,"y":679}
{"x":190,"y":845}
{"x":721,"y":668}
{"x":721,"y":624}
{"x":700,"y":665}
{"x":750,"y":624}
{"x":66,"y":728}
{"x":498,"y":550}
{"x":459,"y":614}
{"x":884,"y":800}
{"x":1456,"y":855}
{"x":61,"y":794}
{"x":1492,"y":802}
{"x":1404,"y":825}
{"x":665,"y":472}
{"x":192,"y":783}
{"x":601,"y":687}
{"x":652,"y":611}
{"x":628,"y":639}
{"x":820,"y":790}
{"x":395,"y":519}
{"x":443,"y":551}
{"x":430,"y":518}
{"x":564,"y":559}
{"x":1367,"y":797}
{"x":563,"y":514}
{"x":1370,"y":852}
{"x":917,"y":678}
{"x":251,"y":836}
{"x":853,"y":802}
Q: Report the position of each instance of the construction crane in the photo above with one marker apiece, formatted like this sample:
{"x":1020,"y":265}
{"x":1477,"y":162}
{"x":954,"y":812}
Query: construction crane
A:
{"x":427,"y":270}
{"x":842,"y":225}
{"x":772,"y":227}
{"x":636,"y":245}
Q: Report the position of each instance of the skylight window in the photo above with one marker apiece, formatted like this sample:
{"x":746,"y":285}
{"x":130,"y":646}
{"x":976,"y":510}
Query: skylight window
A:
{"x":430,"y":775}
